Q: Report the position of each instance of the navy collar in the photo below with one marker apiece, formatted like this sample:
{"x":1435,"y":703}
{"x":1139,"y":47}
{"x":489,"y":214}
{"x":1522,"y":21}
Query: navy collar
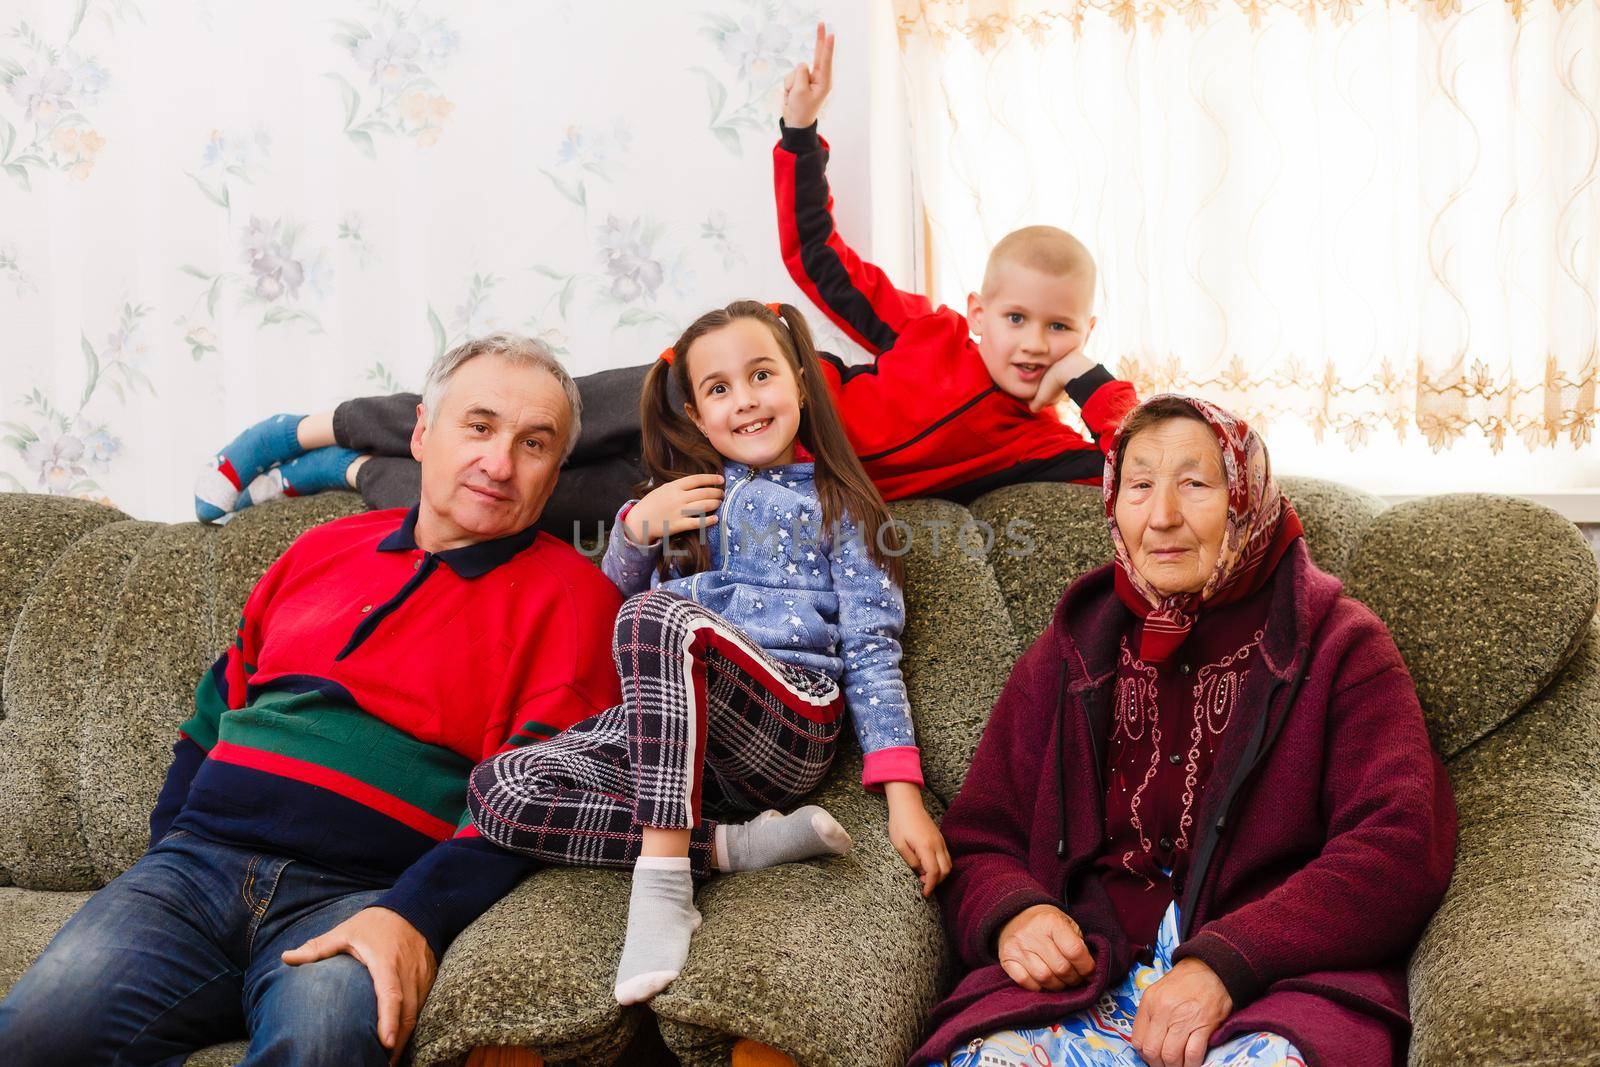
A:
{"x":468,"y":561}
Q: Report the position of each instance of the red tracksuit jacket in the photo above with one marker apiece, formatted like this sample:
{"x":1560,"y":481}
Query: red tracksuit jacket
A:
{"x":924,"y":415}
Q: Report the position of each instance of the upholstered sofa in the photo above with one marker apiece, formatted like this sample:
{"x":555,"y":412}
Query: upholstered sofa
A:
{"x":108,"y":623}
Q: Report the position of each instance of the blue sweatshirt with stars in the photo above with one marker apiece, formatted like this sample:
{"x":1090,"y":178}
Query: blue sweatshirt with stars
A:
{"x":810,"y":596}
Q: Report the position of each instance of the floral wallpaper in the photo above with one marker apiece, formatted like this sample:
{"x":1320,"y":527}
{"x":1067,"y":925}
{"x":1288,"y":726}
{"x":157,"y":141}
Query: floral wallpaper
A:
{"x":213,"y":212}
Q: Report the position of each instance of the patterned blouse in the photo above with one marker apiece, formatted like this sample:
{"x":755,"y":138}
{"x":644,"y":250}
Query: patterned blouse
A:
{"x":1166,"y":728}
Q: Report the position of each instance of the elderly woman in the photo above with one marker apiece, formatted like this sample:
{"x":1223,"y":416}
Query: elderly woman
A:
{"x":1204,"y":823}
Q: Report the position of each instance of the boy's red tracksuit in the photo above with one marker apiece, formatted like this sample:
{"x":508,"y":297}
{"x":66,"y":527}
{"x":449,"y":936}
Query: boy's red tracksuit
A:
{"x":924,"y":415}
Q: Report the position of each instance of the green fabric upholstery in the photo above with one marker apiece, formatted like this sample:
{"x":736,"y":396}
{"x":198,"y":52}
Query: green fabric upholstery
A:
{"x":1507,"y":972}
{"x":108,"y":622}
{"x":42,"y":534}
{"x":1486,"y":597}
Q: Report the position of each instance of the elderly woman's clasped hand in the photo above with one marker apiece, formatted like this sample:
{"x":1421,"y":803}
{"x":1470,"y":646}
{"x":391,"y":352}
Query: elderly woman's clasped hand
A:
{"x":1178,"y":1013}
{"x":1041,"y":948}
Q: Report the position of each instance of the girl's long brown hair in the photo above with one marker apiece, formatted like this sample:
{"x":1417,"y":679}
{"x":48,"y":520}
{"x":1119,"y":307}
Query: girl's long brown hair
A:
{"x":675,"y":448}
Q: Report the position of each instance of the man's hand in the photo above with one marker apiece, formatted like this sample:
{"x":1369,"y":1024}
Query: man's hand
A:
{"x":1041,"y":948}
{"x":684,"y":504}
{"x":806,"y":88}
{"x":395,"y":954}
{"x":1053,"y":386}
{"x":1178,"y":1014}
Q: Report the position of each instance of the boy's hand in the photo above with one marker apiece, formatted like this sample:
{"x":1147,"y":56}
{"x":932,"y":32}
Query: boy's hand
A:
{"x":1053,"y":386}
{"x":806,"y":88}
{"x":915,"y":835}
{"x":686,"y":504}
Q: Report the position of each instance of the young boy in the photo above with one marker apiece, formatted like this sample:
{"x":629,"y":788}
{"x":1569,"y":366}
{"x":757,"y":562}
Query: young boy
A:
{"x":936,"y":413}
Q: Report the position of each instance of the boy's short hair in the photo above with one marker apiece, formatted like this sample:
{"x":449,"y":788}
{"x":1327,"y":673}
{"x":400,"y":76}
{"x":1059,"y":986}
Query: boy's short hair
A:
{"x":1046,"y":249}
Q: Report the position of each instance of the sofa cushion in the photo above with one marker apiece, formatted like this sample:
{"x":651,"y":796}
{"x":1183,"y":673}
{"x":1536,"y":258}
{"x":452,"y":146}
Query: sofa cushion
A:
{"x":958,"y":645}
{"x":52,"y":673}
{"x":1525,"y":896}
{"x":536,"y":970}
{"x":1336,"y":518}
{"x":29,"y":918}
{"x":34,"y":530}
{"x":1486,"y":597}
{"x":837,"y":960}
{"x":102,"y":664}
{"x":1044,"y":535}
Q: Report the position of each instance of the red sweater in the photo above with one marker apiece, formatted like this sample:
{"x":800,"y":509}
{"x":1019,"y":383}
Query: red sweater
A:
{"x":1325,"y":838}
{"x":924,"y":415}
{"x":367,"y":679}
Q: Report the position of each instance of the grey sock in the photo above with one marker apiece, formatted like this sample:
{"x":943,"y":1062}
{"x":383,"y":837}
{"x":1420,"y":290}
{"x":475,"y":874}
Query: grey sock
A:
{"x":770,"y":839}
{"x":661,"y":920}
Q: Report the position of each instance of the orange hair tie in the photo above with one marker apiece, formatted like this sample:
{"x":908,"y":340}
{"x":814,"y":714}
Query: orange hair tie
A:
{"x":667,"y":355}
{"x":776,"y":308}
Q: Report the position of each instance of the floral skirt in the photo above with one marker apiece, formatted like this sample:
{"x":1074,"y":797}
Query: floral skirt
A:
{"x":1098,"y":1037}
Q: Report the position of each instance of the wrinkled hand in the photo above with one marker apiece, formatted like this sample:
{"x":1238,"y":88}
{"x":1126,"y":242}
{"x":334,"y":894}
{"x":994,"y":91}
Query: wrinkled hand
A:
{"x":1053,"y":386}
{"x":806,"y":88}
{"x":685,"y":504}
{"x":395,"y":954}
{"x":915,"y":835}
{"x":1041,"y":948}
{"x":1178,"y":1013}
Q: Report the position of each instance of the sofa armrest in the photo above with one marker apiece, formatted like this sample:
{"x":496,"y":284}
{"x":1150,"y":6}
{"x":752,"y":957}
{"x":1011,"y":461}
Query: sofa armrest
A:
{"x":1507,"y":972}
{"x":834,"y":961}
{"x":535,"y":971}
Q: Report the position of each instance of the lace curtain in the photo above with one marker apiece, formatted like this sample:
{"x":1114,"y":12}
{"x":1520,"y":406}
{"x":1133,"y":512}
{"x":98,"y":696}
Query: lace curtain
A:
{"x":1376,"y":223}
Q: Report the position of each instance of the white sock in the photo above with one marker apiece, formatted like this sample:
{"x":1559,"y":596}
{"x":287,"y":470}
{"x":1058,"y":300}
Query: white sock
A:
{"x":661,"y":920}
{"x":772,"y":838}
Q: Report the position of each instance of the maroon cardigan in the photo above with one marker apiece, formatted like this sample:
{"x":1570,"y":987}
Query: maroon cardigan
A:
{"x":1327,"y":829}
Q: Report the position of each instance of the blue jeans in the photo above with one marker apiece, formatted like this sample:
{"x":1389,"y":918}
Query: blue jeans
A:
{"x":182,"y":951}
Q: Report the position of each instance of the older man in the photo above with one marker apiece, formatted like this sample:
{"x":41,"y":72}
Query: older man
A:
{"x":310,"y":857}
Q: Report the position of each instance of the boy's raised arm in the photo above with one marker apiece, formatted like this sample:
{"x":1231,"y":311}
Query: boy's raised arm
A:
{"x":853,"y":293}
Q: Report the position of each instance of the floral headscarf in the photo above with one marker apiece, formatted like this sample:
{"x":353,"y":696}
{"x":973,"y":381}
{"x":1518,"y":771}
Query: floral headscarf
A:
{"x":1261,"y":526}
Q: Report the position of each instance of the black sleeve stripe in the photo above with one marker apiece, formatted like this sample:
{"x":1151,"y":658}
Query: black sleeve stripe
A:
{"x":847,"y":371}
{"x":814,"y":227}
{"x":926,"y":430}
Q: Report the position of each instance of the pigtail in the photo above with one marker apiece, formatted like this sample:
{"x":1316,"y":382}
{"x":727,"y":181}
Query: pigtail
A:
{"x":673,"y":448}
{"x":842,"y":482}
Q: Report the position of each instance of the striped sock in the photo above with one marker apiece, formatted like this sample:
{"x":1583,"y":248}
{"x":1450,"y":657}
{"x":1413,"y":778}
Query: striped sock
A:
{"x":270,"y":441}
{"x":316,"y":471}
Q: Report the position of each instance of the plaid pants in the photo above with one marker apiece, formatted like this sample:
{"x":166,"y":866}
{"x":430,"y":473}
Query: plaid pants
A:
{"x":707,"y":719}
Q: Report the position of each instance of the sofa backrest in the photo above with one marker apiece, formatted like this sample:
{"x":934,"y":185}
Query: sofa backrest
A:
{"x":38,"y":530}
{"x":107,"y":642}
{"x":109,"y":624}
{"x":1487,"y":597}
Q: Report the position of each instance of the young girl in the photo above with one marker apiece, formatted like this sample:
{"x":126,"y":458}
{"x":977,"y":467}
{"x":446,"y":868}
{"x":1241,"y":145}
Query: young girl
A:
{"x":763,"y":598}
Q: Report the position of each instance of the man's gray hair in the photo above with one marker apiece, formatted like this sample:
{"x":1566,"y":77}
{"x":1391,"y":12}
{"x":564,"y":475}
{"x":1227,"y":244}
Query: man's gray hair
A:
{"x":520,"y":350}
